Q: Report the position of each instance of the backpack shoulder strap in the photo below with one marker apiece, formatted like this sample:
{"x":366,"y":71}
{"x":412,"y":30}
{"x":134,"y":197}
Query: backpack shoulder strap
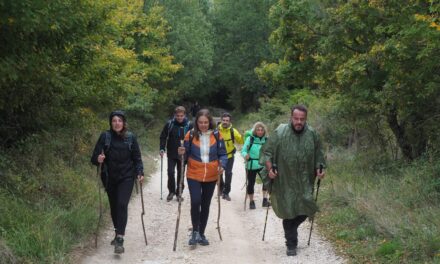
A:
{"x":232,"y":135}
{"x":108,"y":140}
{"x":251,"y":142}
{"x":129,"y":140}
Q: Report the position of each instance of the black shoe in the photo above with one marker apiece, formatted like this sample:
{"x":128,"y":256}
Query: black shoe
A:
{"x":226,"y":197}
{"x":119,"y":245}
{"x":113,"y":242}
{"x":265,"y":202}
{"x":203,"y":241}
{"x":170,"y":196}
{"x":291,"y":251}
{"x":252,"y":205}
{"x":179,"y":198}
{"x":195,"y":237}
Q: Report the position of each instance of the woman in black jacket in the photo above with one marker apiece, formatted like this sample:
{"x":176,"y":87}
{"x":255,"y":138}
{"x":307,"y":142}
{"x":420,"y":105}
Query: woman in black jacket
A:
{"x":118,"y":152}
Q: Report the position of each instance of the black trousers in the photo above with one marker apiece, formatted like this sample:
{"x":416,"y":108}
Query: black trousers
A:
{"x":291,"y":230}
{"x":173,"y":185}
{"x":226,"y":184}
{"x":252,"y":175}
{"x":201,"y":195}
{"x":119,"y":194}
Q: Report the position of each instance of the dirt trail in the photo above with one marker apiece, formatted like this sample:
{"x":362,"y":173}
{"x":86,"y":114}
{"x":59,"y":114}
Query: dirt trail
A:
{"x":241,"y":230}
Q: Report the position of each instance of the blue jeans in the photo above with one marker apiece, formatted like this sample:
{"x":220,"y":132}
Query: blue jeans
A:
{"x":201,"y":195}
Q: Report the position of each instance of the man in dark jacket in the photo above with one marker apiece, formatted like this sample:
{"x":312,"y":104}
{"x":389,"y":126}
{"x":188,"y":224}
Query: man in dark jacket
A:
{"x":172,"y":133}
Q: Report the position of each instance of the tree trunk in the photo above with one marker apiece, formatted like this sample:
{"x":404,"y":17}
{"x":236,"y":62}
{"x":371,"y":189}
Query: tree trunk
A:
{"x":399,"y":133}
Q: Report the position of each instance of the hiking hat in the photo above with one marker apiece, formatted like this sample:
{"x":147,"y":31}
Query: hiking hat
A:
{"x":119,"y":113}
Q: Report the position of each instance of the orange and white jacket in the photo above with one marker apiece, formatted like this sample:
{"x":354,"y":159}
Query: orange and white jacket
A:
{"x":205,"y":154}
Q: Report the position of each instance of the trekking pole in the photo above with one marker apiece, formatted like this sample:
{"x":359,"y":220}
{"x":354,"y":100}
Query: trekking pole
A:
{"x":98,"y":174}
{"x":180,"y":198}
{"x":161,"y":170}
{"x":219,"y":207}
{"x":274,"y":168}
{"x":245,"y":189}
{"x":316,"y":199}
{"x":143,"y":213}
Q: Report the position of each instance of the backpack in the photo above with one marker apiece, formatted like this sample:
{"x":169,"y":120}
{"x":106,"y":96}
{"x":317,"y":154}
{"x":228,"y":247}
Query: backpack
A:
{"x":171,"y":126}
{"x":108,"y":139}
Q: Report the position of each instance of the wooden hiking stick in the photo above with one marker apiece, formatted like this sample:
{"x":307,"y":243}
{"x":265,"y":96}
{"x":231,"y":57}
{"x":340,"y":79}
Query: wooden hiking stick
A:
{"x":219,"y":192}
{"x":179,"y":198}
{"x":274,"y":168}
{"x":98,"y":176}
{"x":316,"y":200}
{"x":245,"y":189}
{"x":143,"y":213}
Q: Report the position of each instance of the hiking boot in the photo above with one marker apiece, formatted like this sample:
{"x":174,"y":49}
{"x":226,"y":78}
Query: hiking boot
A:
{"x":119,"y":245}
{"x":252,"y":205}
{"x":265,"y":202}
{"x":170,"y":196}
{"x":112,"y":243}
{"x":226,"y":197}
{"x":203,"y":241}
{"x":195,"y":237}
{"x":291,"y":251}
{"x":179,"y":198}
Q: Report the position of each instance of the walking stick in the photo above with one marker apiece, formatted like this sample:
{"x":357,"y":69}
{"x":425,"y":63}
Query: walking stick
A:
{"x":98,"y":174}
{"x":274,"y":168}
{"x":143,"y":213}
{"x":180,"y":199}
{"x":161,"y":170}
{"x":219,"y":207}
{"x":316,"y":199}
{"x":245,"y":189}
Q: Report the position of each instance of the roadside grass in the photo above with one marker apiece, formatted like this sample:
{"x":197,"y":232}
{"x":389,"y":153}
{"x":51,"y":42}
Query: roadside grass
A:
{"x":388,"y":216}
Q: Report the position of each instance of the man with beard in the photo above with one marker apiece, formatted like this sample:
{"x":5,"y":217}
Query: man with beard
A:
{"x":292,"y":157}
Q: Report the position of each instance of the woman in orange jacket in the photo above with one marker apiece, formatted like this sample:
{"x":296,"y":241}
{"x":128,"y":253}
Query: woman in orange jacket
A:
{"x":206,"y":155}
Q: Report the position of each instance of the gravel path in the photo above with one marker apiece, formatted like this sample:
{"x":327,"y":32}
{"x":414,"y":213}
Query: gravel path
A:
{"x":241,"y":230}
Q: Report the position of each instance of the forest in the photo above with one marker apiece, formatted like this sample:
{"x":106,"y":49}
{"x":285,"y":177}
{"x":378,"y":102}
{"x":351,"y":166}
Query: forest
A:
{"x":369,"y":72}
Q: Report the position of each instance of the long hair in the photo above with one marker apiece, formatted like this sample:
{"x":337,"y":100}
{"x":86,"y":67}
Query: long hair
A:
{"x":257,"y":125}
{"x":207,"y":114}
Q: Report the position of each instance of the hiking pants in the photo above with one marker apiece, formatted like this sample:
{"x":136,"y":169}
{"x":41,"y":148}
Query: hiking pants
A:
{"x":118,"y":196}
{"x":201,"y":195}
{"x":173,"y":186}
{"x":291,"y":230}
{"x":226,"y":185}
{"x":252,"y":175}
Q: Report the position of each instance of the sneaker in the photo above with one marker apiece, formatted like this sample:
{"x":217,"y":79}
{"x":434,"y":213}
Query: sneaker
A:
{"x":170,"y":196}
{"x":265,"y":202}
{"x":119,"y":245}
{"x":195,"y":237}
{"x":252,"y":205}
{"x":203,"y":241}
{"x":226,"y":197}
{"x":291,"y":251}
{"x":179,"y":198}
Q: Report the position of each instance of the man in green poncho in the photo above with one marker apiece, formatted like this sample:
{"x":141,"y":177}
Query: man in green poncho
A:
{"x":292,"y":157}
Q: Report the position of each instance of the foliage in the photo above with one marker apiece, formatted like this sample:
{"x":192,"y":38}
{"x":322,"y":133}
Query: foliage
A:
{"x":376,"y":55}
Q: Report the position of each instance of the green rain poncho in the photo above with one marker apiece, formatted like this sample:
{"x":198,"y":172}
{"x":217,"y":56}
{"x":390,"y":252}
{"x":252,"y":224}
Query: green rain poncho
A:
{"x":297,"y":157}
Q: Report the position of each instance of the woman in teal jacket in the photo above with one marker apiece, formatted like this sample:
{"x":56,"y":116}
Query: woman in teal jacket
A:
{"x":251,"y":153}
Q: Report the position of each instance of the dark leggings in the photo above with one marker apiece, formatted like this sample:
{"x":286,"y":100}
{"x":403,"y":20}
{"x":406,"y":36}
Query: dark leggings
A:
{"x":252,"y":175}
{"x":201,"y":195}
{"x":291,"y":230}
{"x":118,"y":197}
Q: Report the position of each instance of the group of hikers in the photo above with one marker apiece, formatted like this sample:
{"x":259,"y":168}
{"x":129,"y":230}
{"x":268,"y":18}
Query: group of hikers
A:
{"x":288,"y":162}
